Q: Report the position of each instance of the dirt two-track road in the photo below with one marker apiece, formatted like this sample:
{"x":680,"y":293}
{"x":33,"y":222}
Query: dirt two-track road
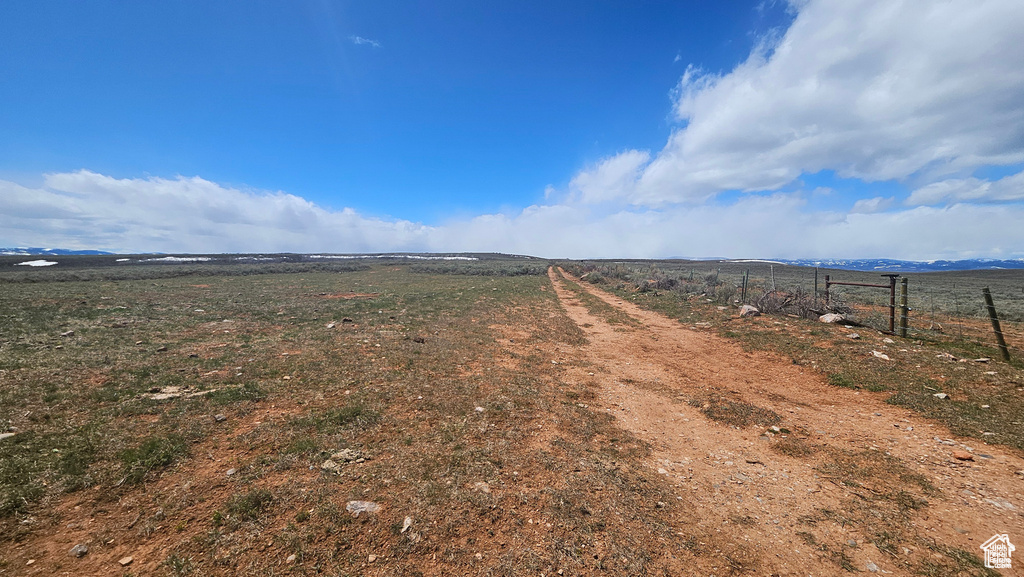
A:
{"x":817,"y":508}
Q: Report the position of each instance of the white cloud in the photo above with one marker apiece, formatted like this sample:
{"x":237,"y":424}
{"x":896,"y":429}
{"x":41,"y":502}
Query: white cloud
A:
{"x":773,"y":226}
{"x":610,"y":179}
{"x":871,"y":89}
{"x":88,"y":210}
{"x":359,"y":40}
{"x":1009,"y":188}
{"x":870,"y":205}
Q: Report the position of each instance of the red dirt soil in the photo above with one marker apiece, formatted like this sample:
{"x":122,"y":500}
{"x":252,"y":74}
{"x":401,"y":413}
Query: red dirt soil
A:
{"x":730,"y":473}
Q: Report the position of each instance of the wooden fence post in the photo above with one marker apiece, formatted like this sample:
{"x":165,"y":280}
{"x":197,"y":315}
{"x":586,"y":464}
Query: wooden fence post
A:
{"x":995,"y":324}
{"x":904,"y":309}
{"x":815,"y":286}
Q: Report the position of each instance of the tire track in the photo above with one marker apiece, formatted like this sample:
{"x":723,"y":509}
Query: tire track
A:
{"x":660,"y":379}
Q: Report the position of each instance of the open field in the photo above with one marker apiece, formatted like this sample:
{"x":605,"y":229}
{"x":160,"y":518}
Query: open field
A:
{"x":225,"y":419}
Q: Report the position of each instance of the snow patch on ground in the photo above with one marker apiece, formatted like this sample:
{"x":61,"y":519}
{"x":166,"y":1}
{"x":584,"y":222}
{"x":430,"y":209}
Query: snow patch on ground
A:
{"x":408,"y":256}
{"x":36,"y":263}
{"x":178,"y":259}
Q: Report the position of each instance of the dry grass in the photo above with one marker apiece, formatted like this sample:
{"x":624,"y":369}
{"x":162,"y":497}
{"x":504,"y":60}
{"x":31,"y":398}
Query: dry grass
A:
{"x":526,"y":483}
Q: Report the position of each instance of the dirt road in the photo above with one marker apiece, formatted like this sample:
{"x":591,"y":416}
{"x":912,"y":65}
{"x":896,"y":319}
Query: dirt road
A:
{"x":843,"y":482}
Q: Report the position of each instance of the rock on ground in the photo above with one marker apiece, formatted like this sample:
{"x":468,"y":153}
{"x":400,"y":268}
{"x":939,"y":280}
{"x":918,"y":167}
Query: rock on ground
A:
{"x":749,"y":311}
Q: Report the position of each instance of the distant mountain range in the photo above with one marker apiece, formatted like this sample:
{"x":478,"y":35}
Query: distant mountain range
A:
{"x":33,"y":251}
{"x":874,"y":264}
{"x":864,"y":264}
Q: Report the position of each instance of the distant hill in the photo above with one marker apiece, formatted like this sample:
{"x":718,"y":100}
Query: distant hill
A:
{"x":909,"y":265}
{"x":33,"y":251}
{"x":867,"y":265}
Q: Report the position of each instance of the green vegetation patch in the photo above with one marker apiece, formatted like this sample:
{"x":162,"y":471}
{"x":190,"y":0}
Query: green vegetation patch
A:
{"x":151,"y":455}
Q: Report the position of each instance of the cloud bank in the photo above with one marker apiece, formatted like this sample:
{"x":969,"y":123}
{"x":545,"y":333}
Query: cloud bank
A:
{"x":88,"y":210}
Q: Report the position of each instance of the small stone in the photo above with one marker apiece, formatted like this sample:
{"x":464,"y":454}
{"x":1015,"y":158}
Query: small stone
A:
{"x":942,"y":396}
{"x":290,"y":559}
{"x":357,"y":507}
{"x":406,"y":524}
{"x":330,"y":465}
{"x":482,"y":487}
{"x":479,"y":409}
{"x":854,"y":336}
{"x":851,"y":543}
{"x":220,"y":418}
{"x":888,"y":341}
{"x":871,"y":567}
{"x":30,"y":562}
{"x":68,"y":334}
{"x":831,"y":318}
{"x":346,"y":320}
{"x":5,"y":436}
{"x":371,"y":558}
{"x":161,"y":348}
{"x":346,"y":455}
{"x":982,"y":360}
{"x":125,"y":561}
{"x":479,"y":556}
{"x":330,"y":325}
{"x":286,"y":378}
{"x":986,"y":407}
{"x":963,"y":456}
{"x":231,"y":472}
{"x":880,"y":355}
{"x":419,"y":340}
{"x":79,"y":550}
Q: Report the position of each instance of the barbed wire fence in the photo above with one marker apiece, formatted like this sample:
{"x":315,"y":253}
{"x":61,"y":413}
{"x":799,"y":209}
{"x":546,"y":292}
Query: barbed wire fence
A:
{"x":968,"y":319}
{"x":955,"y":312}
{"x":945,"y":307}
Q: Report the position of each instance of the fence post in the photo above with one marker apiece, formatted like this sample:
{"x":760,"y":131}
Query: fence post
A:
{"x":815,"y":286}
{"x":828,"y":293}
{"x":995,"y":324}
{"x":904,"y":309}
{"x":892,"y":303}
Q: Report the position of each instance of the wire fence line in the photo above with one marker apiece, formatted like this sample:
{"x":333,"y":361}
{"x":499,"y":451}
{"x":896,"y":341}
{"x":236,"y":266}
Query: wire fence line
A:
{"x":948,"y":304}
{"x":953,"y":312}
{"x":939,"y":307}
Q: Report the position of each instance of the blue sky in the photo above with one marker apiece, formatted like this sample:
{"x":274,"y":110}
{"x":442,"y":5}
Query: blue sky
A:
{"x":747,"y":129}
